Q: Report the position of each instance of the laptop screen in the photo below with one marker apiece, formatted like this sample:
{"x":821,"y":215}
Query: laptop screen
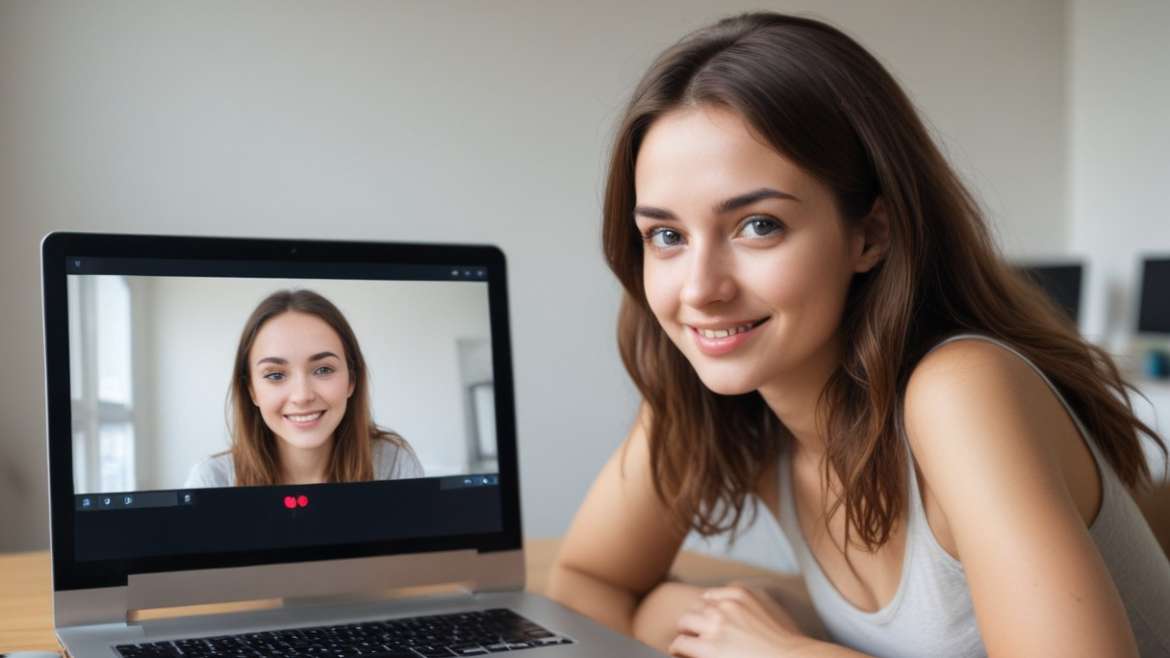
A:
{"x":263,"y":407}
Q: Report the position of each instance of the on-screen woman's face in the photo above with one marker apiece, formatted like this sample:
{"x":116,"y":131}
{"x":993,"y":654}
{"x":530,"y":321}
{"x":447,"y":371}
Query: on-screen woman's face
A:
{"x":299,"y":379}
{"x":747,"y":260}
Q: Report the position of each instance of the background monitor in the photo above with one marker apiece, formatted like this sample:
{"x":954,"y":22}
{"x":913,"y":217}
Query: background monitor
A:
{"x":1062,"y":282}
{"x":1154,"y":307}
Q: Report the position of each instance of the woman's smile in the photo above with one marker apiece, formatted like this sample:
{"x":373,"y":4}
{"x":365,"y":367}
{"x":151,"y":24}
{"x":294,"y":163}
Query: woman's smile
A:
{"x":723,"y":338}
{"x":305,"y":420}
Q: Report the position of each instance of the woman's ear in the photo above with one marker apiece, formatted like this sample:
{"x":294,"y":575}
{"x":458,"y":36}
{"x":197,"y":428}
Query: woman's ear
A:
{"x":352,"y":385}
{"x":873,"y":238}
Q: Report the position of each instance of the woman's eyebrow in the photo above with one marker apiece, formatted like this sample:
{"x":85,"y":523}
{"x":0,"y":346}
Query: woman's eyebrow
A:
{"x":747,"y":199}
{"x":725,"y":206}
{"x":653,"y":213}
{"x":284,"y":362}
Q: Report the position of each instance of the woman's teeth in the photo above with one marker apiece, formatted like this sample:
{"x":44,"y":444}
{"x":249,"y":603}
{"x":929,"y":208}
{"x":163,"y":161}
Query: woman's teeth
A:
{"x":304,"y":418}
{"x":724,"y":333}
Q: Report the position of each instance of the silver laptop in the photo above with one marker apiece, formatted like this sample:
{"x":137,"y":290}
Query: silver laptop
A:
{"x":325,"y":424}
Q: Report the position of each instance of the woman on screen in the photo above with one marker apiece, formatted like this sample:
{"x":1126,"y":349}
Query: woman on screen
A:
{"x":823,"y":332}
{"x":300,"y":405}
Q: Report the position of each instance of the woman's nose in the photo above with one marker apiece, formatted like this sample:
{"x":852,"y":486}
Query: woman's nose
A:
{"x":302,"y":390}
{"x":709,"y":277}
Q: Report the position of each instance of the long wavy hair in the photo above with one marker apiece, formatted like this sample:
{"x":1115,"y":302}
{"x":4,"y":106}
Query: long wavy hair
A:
{"x":254,"y":449}
{"x":821,"y":100}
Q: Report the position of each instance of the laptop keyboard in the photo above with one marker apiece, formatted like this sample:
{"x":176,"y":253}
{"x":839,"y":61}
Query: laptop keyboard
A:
{"x":477,"y":633}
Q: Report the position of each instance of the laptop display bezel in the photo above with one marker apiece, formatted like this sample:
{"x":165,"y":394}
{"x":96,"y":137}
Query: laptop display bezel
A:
{"x":56,"y":248}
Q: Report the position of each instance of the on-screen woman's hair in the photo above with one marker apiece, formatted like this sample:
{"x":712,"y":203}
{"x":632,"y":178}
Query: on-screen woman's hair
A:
{"x":822,"y":101}
{"x":254,"y":449}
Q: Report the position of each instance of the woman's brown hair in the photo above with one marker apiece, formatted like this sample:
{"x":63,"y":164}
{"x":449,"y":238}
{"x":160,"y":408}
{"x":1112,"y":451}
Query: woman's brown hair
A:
{"x":254,"y":448}
{"x":822,"y":101}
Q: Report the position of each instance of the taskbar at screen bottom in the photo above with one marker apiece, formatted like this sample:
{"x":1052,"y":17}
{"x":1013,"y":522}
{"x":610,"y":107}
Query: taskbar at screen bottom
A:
{"x":131,"y":525}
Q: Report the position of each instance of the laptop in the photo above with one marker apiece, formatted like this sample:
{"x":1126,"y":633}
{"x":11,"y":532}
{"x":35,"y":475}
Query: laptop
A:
{"x":327,"y":426}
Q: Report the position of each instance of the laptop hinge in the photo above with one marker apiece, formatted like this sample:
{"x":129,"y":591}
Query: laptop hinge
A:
{"x":447,"y":591}
{"x":90,"y":607}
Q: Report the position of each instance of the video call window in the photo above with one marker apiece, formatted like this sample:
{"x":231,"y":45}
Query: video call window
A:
{"x":165,"y":372}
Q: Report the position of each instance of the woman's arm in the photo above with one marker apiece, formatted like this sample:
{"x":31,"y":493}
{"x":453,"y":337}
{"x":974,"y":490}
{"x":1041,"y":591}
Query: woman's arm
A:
{"x":994,"y":444}
{"x":620,"y":546}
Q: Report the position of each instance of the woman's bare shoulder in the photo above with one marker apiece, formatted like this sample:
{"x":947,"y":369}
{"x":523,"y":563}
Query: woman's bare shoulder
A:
{"x":972,"y":401}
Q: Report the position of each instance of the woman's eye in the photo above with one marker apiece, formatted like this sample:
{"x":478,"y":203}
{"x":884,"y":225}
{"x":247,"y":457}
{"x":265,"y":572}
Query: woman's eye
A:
{"x":664,"y":238}
{"x":324,"y":370}
{"x":760,"y":227}
{"x":274,"y":376}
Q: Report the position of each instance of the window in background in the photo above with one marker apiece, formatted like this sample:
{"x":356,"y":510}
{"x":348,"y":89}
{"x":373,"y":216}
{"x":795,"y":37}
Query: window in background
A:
{"x":100,"y":368}
{"x":483,"y":399}
{"x":479,"y":403}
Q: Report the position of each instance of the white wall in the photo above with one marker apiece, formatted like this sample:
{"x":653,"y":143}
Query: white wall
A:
{"x":1119,"y":139}
{"x":455,"y":121}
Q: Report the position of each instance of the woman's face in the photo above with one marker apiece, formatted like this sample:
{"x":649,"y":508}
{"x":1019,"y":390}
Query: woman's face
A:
{"x":746,"y":261}
{"x":299,"y":379}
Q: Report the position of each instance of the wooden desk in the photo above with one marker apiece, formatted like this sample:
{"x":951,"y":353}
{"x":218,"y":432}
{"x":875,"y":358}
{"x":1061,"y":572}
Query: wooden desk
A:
{"x":26,"y":619}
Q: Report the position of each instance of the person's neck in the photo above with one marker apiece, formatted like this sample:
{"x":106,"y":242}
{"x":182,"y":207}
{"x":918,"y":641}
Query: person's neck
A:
{"x":795,"y":397}
{"x":304,"y":465}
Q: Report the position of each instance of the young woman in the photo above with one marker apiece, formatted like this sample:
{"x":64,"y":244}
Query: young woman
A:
{"x":300,"y":404}
{"x":820,"y":325}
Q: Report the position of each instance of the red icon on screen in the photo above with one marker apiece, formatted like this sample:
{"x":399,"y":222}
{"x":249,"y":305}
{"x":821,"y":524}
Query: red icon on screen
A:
{"x":293,"y":502}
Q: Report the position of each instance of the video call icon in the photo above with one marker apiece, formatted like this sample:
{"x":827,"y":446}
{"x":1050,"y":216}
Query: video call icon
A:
{"x":293,"y":502}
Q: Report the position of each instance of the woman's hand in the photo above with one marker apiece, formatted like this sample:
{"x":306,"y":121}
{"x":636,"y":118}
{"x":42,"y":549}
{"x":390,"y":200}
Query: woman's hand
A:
{"x":737,"y":622}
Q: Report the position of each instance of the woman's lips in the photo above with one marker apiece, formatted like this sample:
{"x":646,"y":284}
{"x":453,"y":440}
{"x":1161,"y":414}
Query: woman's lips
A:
{"x":304,"y":421}
{"x":719,"y":345}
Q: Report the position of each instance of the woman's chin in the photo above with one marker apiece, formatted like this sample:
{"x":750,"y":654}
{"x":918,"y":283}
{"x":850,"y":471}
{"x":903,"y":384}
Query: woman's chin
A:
{"x":304,"y":442}
{"x":727,"y":383}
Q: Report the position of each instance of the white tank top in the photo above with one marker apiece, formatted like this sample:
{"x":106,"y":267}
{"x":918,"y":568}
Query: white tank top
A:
{"x":931,"y":614}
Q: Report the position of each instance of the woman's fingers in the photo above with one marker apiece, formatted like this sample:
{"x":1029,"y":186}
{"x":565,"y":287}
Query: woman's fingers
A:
{"x":698,"y":622}
{"x":751,"y":601}
{"x":733,"y":593}
{"x":689,"y":646}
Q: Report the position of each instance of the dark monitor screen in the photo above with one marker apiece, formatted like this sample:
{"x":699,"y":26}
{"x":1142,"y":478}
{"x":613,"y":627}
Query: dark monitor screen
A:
{"x":1154,"y":307}
{"x":1062,"y":282}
